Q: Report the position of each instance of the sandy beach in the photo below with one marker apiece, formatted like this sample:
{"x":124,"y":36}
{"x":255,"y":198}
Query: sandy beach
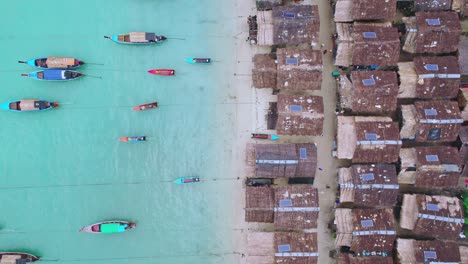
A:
{"x":251,"y":117}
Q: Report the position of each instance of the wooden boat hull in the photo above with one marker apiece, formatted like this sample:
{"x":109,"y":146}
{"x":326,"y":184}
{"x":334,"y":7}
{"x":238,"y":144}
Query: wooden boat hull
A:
{"x":55,"y":63}
{"x":162,"y":72}
{"x":149,"y":39}
{"x":89,"y":229}
{"x":264,"y":136}
{"x":133,"y":139}
{"x":25,"y":256}
{"x":148,"y":106}
{"x":198,"y":60}
{"x":55,"y":75}
{"x":185,"y":180}
{"x":28,"y":105}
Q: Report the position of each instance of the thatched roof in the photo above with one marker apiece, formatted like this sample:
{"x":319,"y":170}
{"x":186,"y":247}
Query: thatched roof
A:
{"x":285,"y":160}
{"x":432,"y":216}
{"x":350,"y":259}
{"x":347,"y":10}
{"x":429,"y":77}
{"x":300,"y":115}
{"x":366,"y":230}
{"x":422,"y":252}
{"x":438,"y":77}
{"x":430,"y":167}
{"x":437,"y":32}
{"x":374,"y":92}
{"x":259,"y":204}
{"x":264,"y":72}
{"x":463,"y":55}
{"x":381,"y":49}
{"x":288,"y":25}
{"x":282,"y":247}
{"x":268,"y":4}
{"x":464,"y":148}
{"x":368,"y":139}
{"x":431,"y":5}
{"x":296,"y":207}
{"x":431,"y":121}
{"x":373,"y":185}
{"x":345,"y":92}
{"x":299,"y":69}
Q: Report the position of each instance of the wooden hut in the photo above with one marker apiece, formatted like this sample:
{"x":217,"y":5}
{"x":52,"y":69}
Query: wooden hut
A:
{"x":300,"y":115}
{"x":431,"y":121}
{"x":432,"y":216}
{"x":288,"y":25}
{"x":463,"y":55}
{"x":268,"y":4}
{"x":296,"y":207}
{"x":368,"y":139}
{"x":429,"y":77}
{"x":370,"y":92}
{"x":427,"y":251}
{"x":432,"y":32}
{"x":373,"y":185}
{"x":367,"y":232}
{"x":264,"y":72}
{"x":350,"y":10}
{"x":259,"y":204}
{"x":282,"y":247}
{"x":350,"y":259}
{"x":430,"y":167}
{"x":299,"y":69}
{"x":367,"y":44}
{"x":431,"y":5}
{"x":285,"y":160}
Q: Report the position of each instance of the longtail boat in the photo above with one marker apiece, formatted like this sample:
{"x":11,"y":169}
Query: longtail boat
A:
{"x":54,"y":63}
{"x":17,"y":257}
{"x":137,"y":38}
{"x":198,"y":60}
{"x":54,"y":75}
{"x":148,"y":106}
{"x":108,"y":227}
{"x":133,"y":139}
{"x":264,"y":136}
{"x":27,"y":105}
{"x":184,"y":180}
{"x":162,"y":72}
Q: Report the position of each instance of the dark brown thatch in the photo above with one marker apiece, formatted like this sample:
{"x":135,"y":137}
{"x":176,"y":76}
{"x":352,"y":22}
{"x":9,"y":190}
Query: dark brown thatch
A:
{"x":367,"y":232}
{"x":382,"y":49}
{"x":268,"y":4}
{"x":349,"y":10}
{"x":303,"y":210}
{"x":374,"y":92}
{"x":298,"y":243}
{"x":441,"y":81}
{"x":306,"y":74}
{"x":431,"y":5}
{"x":264,"y":72}
{"x":463,"y":55}
{"x":422,"y":252}
{"x":350,"y":259}
{"x":259,"y":204}
{"x":432,"y":216}
{"x":368,"y":139}
{"x":284,"y":160}
{"x":430,"y":167}
{"x":373,"y":185}
{"x":441,"y":38}
{"x":436,"y":121}
{"x":300,"y":115}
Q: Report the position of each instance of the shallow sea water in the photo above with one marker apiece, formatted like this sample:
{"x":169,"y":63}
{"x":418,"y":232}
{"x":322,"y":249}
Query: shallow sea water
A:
{"x":65,"y":168}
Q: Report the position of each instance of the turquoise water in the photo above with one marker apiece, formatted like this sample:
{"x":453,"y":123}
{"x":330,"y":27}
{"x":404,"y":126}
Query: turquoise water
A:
{"x":64,"y":168}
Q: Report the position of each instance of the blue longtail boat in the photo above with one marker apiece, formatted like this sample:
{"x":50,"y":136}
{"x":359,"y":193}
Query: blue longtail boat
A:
{"x":198,"y":60}
{"x":184,"y":180}
{"x":54,"y":75}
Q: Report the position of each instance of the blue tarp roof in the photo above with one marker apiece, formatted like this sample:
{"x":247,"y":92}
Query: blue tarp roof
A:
{"x":53,"y":75}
